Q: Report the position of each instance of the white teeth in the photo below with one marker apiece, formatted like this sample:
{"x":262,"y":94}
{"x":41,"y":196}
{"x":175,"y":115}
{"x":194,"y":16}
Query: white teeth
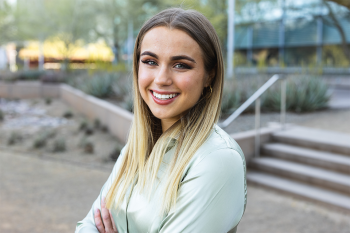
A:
{"x":164,"y":97}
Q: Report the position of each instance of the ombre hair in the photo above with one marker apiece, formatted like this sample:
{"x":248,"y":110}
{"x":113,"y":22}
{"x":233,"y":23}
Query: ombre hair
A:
{"x":146,"y":145}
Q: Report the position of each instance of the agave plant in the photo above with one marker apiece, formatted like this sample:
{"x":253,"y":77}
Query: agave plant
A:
{"x":303,"y":94}
{"x":99,"y":85}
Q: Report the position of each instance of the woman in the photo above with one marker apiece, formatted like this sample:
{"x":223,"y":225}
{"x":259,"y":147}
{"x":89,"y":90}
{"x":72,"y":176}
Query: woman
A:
{"x":179,"y":172}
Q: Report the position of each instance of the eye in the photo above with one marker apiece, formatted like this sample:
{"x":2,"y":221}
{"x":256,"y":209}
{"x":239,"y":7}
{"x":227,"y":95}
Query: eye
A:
{"x":182,"y":66}
{"x":149,"y":62}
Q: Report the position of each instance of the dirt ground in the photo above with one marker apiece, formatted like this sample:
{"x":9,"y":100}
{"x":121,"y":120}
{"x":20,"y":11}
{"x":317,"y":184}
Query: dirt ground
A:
{"x":45,"y":191}
{"x":33,"y":121}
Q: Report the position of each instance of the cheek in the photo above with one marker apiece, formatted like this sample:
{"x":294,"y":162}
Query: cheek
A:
{"x":192,"y":86}
{"x":144,"y":81}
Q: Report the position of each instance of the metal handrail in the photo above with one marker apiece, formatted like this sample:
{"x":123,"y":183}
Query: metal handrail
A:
{"x":256,"y":97}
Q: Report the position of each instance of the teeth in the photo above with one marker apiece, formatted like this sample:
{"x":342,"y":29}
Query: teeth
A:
{"x":163,"y":97}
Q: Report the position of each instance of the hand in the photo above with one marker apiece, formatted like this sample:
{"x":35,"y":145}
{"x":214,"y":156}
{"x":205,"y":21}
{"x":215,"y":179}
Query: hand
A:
{"x":109,"y":225}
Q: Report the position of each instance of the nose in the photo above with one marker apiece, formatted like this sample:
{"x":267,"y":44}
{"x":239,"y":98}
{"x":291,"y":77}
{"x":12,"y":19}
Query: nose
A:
{"x":163,"y":77}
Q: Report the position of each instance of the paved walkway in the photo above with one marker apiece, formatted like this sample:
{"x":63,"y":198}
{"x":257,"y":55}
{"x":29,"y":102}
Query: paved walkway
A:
{"x":38,"y":195}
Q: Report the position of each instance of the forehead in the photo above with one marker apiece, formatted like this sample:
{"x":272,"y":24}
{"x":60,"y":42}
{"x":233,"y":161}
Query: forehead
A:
{"x":165,"y":41}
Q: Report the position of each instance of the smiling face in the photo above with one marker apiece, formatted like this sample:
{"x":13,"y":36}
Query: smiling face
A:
{"x":171,"y":74}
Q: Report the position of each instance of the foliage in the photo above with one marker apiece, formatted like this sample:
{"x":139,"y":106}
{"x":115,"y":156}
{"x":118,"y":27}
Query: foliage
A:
{"x":7,"y":22}
{"x":48,"y":101}
{"x":2,"y":117}
{"x":304,"y":94}
{"x":333,"y":56}
{"x":59,"y":145}
{"x":14,"y":138}
{"x":115,"y":152}
{"x":41,"y":140}
{"x":68,"y":114}
{"x":87,"y":145}
{"x":100,"y":85}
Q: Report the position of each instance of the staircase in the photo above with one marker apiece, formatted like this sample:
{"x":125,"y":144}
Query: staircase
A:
{"x":308,"y":163}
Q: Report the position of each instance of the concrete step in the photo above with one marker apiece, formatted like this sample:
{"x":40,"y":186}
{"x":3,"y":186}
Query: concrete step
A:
{"x":298,"y":189}
{"x":315,"y":138}
{"x":322,"y":159}
{"x":308,"y":174}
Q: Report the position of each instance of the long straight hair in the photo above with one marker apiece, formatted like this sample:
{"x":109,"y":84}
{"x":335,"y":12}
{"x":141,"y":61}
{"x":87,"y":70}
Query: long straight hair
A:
{"x":146,"y":143}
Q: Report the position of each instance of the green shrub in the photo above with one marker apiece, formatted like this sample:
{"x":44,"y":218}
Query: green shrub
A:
{"x":14,"y":138}
{"x":30,"y":74}
{"x":115,"y":153}
{"x":59,"y":145}
{"x":48,"y":101}
{"x":83,"y":125}
{"x":303,"y":94}
{"x":41,"y":140}
{"x":68,"y":114}
{"x":100,"y":85}
{"x":97,"y":123}
{"x":2,"y":115}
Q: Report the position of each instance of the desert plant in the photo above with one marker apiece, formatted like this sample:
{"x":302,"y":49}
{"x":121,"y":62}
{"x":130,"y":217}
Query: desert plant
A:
{"x":99,"y":86}
{"x":303,"y":94}
{"x":97,"y":123}
{"x":48,"y":101}
{"x":59,"y":145}
{"x":68,"y":114}
{"x":104,"y":128}
{"x":83,"y":125}
{"x":115,"y":153}
{"x":128,"y":103}
{"x":89,"y":148}
{"x":2,"y":115}
{"x":41,"y":140}
{"x":89,"y":130}
{"x":14,"y":138}
{"x":30,"y":74}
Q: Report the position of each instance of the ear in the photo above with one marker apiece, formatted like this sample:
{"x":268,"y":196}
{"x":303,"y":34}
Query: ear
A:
{"x":210,"y":77}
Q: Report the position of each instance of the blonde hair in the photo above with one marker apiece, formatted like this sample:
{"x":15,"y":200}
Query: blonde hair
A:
{"x":147,"y":144}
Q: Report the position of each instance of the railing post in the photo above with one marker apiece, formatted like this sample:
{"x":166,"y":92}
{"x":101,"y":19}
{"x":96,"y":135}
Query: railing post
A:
{"x":283,"y":102}
{"x":257,"y":127}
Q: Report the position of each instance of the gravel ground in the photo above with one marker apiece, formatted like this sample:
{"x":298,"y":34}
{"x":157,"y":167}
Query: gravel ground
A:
{"x":39,"y":195}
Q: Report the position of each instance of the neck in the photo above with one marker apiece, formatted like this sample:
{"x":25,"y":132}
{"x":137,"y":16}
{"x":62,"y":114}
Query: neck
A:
{"x":167,"y":123}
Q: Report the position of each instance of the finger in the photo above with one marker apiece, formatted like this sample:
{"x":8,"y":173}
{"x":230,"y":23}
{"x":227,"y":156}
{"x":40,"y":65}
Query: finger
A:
{"x":113,"y":223}
{"x":106,"y":217}
{"x":98,"y":221}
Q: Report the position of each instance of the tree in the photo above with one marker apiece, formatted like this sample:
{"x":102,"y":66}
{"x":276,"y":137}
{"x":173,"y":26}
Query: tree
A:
{"x":69,"y":21}
{"x":345,"y":3}
{"x":7,"y":22}
{"x":337,"y":24}
{"x":115,"y":15}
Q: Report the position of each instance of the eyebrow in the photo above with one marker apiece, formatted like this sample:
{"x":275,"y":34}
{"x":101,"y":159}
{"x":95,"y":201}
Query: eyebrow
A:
{"x":174,"y":58}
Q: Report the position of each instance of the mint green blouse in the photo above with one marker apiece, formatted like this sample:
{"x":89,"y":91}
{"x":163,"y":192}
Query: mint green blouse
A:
{"x":211,"y":198}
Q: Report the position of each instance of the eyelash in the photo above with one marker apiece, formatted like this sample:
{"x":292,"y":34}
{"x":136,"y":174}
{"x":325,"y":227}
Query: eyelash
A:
{"x":184,"y":66}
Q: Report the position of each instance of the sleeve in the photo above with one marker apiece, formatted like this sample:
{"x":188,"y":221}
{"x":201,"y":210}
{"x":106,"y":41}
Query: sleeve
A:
{"x":211,"y":197}
{"x":87,"y":225}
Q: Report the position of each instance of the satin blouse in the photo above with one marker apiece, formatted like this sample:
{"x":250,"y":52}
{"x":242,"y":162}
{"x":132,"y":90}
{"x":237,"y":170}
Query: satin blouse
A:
{"x":211,"y":198}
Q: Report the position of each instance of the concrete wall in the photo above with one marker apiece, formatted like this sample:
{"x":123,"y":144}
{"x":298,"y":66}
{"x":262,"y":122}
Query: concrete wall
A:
{"x":117,"y":119}
{"x":246,"y":140}
{"x":28,"y":90}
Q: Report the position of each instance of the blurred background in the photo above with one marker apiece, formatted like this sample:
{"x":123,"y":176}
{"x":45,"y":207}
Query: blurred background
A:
{"x":66,"y":106}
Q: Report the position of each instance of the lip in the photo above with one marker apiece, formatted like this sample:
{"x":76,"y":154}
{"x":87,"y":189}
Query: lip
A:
{"x":163,"y":102}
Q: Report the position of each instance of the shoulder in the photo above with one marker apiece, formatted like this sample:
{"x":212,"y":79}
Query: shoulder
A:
{"x":219,"y":145}
{"x":219,"y":155}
